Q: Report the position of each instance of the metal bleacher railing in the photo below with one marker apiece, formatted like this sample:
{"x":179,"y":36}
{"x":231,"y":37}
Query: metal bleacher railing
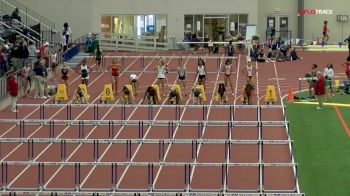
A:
{"x":16,"y":29}
{"x":32,"y":19}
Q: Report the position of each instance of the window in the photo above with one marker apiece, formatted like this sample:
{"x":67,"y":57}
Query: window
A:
{"x":139,"y":25}
{"x":188,"y":23}
{"x":106,"y":24}
{"x":234,"y":24}
{"x":198,"y":25}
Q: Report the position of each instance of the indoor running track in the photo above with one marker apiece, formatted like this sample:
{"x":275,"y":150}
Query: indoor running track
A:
{"x":249,"y":155}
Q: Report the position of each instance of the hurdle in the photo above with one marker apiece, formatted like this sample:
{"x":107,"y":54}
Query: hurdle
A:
{"x":63,"y":150}
{"x":139,"y":193}
{"x":300,"y":83}
{"x":41,"y":175}
{"x":96,"y":150}
{"x":128,"y":142}
{"x":114,"y":176}
{"x":123,"y":113}
{"x":77,"y":179}
{"x":30,"y":149}
{"x":141,"y":59}
{"x":188,"y":123}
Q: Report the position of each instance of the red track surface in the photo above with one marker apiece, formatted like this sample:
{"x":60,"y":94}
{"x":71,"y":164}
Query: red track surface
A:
{"x":243,"y":178}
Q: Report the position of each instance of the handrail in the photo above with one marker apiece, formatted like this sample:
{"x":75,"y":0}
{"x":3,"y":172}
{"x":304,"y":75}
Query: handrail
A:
{"x":4,"y":24}
{"x":30,"y":16}
{"x":21,"y":23}
{"x":28,"y":10}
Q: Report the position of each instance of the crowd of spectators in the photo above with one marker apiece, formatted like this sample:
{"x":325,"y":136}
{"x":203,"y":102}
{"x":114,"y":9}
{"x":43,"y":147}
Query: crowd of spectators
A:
{"x":278,"y":50}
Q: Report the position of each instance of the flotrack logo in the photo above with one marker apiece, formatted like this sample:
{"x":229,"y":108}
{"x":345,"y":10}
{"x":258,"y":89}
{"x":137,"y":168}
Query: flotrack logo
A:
{"x":315,"y":12}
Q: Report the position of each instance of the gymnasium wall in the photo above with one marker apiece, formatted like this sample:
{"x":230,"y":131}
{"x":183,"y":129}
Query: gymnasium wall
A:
{"x":85,"y":15}
{"x":76,"y":12}
{"x":175,"y":9}
{"x":314,"y":23}
{"x":278,"y":8}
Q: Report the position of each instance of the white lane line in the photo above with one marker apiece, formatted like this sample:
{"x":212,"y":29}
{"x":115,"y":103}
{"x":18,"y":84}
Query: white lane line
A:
{"x":144,"y":137}
{"x":38,"y":129}
{"x":76,"y":149}
{"x":236,"y":88}
{"x":203,"y":132}
{"x":96,"y":79}
{"x":175,"y":132}
{"x":9,"y":185}
{"x":119,"y":132}
{"x":27,"y":116}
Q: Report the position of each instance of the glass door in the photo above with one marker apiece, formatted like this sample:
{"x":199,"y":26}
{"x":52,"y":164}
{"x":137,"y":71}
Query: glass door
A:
{"x":277,"y":26}
{"x":271,"y":26}
{"x":215,"y":28}
{"x":284,"y":27}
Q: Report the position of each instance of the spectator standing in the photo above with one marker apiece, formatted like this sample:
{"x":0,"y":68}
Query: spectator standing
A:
{"x":13,"y":91}
{"x":53,"y":60}
{"x":26,"y":79}
{"x":3,"y":66}
{"x":64,"y":42}
{"x":39,"y":75}
{"x":320,"y":89}
{"x":348,"y":40}
{"x":328,"y":73}
{"x":14,"y":55}
{"x":32,"y":54}
{"x":230,"y":49}
{"x":42,"y":50}
{"x":67,"y":31}
{"x":23,"y":54}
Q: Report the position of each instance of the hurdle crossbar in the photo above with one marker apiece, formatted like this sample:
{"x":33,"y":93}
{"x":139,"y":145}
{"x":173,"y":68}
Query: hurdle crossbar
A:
{"x":136,"y":122}
{"x":171,"y":57}
{"x":170,"y":164}
{"x":136,"y":192}
{"x":143,"y":141}
{"x":154,"y":106}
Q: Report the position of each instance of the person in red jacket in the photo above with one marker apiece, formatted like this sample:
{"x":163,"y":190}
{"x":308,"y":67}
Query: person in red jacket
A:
{"x":320,"y":89}
{"x":13,"y":91}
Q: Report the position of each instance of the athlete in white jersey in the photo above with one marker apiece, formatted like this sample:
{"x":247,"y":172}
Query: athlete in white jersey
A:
{"x":201,"y":72}
{"x":249,"y":70}
{"x":227,"y":76}
{"x":134,"y":82}
{"x":182,"y":75}
{"x":161,"y":71}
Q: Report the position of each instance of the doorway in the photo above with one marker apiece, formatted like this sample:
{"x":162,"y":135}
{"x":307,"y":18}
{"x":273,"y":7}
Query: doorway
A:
{"x":215,"y":28}
{"x":278,"y":26}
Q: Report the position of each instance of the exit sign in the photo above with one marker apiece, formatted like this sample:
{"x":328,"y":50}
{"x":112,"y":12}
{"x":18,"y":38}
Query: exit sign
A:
{"x":343,"y":18}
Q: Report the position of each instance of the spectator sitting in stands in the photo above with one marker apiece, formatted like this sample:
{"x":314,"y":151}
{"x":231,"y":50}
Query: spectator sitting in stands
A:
{"x":294,"y":55}
{"x":261,"y":56}
{"x":280,"y":56}
{"x":284,"y":49}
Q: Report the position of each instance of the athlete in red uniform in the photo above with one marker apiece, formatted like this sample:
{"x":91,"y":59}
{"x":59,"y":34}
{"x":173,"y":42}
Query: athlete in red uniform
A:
{"x":347,"y":68}
{"x":114,"y":68}
{"x":325,"y":32}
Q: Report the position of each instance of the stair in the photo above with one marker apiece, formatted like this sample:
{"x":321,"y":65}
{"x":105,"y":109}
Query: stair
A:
{"x":32,"y":20}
